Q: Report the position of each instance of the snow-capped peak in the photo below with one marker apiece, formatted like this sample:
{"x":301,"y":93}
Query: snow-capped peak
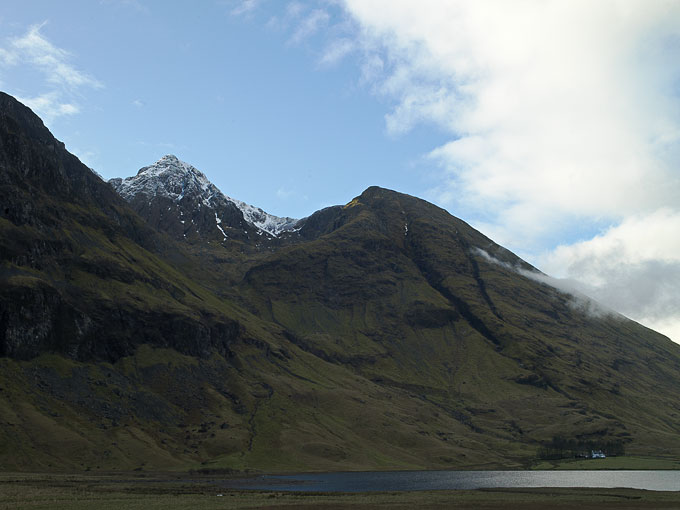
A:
{"x":168,"y":177}
{"x":174,"y":179}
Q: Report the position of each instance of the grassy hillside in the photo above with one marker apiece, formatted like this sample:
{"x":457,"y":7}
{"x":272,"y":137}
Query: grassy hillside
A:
{"x":386,"y":334}
{"x":399,"y":293}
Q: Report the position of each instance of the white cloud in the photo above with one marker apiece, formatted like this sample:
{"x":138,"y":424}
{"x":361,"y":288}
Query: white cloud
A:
{"x":633,"y":267}
{"x":322,"y":25}
{"x":560,"y":112}
{"x":243,"y":6}
{"x":337,"y":50}
{"x":7,"y":58}
{"x":294,"y":9}
{"x":63,"y":80}
{"x":580,"y":297}
{"x":293,"y":19}
{"x":310,"y":25}
{"x":565,"y":105}
{"x":49,"y":106}
{"x":33,"y":48}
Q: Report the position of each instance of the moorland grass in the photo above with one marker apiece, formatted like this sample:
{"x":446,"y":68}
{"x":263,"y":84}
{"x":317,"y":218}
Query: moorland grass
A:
{"x":169,"y":492}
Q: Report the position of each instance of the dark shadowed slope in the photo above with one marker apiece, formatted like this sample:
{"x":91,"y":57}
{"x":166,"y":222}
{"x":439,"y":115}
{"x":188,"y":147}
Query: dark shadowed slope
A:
{"x":82,"y":274}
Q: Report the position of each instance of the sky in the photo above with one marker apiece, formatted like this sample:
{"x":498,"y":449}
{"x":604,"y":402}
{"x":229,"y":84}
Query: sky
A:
{"x":551,"y":126}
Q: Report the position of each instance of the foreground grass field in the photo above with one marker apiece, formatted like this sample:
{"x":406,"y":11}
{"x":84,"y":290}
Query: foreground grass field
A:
{"x":73,"y":492}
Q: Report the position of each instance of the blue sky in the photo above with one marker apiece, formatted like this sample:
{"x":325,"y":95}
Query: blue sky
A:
{"x":551,"y":126}
{"x":242,"y":100}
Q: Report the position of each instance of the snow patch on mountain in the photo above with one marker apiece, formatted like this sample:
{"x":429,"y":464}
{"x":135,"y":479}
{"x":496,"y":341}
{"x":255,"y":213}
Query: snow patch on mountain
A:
{"x":219,"y":221}
{"x":264,"y":221}
{"x":176,"y":179}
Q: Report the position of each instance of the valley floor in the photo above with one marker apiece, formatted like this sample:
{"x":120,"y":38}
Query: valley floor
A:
{"x":170,"y":492}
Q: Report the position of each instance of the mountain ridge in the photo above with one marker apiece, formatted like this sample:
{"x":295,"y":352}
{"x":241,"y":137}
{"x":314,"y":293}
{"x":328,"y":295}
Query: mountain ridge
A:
{"x":179,"y":185}
{"x":383,"y":334}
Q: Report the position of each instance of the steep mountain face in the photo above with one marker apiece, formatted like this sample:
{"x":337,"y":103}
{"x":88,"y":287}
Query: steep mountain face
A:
{"x":384,"y":333}
{"x":81,"y":273}
{"x":176,"y":198}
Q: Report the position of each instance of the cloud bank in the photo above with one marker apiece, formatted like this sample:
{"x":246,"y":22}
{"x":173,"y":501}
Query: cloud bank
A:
{"x":580,"y":294}
{"x":564,"y":116}
{"x":634,"y":267}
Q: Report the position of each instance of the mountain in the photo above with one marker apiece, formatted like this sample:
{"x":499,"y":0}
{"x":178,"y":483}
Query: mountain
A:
{"x":380,"y":334}
{"x":83,"y":274}
{"x":178,"y":199}
{"x":416,"y":300}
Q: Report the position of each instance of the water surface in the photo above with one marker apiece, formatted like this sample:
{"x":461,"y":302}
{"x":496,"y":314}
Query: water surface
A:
{"x":459,"y":480}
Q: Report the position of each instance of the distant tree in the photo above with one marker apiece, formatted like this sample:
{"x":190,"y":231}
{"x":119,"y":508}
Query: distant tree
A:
{"x":560,"y":447}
